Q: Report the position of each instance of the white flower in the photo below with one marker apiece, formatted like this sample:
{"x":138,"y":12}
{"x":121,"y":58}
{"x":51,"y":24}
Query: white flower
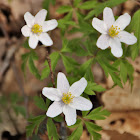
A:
{"x":37,"y":27}
{"x":67,"y":99}
{"x":112,"y":32}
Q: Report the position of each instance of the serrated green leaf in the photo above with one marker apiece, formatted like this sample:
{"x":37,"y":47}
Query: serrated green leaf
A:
{"x":69,"y":63}
{"x":39,"y":102}
{"x":98,"y":114}
{"x":83,"y":68}
{"x":96,"y":136}
{"x":64,"y":9}
{"x":76,"y":2}
{"x":99,"y":8}
{"x":123,"y":72}
{"x":92,"y":127}
{"x":51,"y":128}
{"x":33,"y":68}
{"x":34,"y":124}
{"x":93,"y":87}
{"x":74,"y":46}
{"x":76,"y":134}
{"x":88,"y":5}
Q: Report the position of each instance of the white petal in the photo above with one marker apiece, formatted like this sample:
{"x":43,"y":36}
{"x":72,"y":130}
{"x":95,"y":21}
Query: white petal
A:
{"x":62,"y":83}
{"x":33,"y":41}
{"x":99,"y":25}
{"x":40,"y":16}
{"x":45,"y":39}
{"x":123,"y":21}
{"x":103,"y":42}
{"x":52,"y":93}
{"x":127,"y":38}
{"x":26,"y":31}
{"x":81,"y":103}
{"x":49,"y":25}
{"x":55,"y":109}
{"x":116,"y":48}
{"x":70,"y":115}
{"x":108,"y":17}
{"x":78,"y":87}
{"x":29,"y":18}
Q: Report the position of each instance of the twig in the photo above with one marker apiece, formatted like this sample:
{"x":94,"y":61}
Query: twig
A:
{"x":49,"y":62}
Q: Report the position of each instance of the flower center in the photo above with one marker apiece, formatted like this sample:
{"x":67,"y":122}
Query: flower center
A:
{"x":114,"y":31}
{"x":37,"y":29}
{"x":67,"y":98}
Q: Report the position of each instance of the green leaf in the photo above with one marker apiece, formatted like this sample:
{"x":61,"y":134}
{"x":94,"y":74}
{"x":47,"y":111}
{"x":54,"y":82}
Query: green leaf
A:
{"x":76,"y":2}
{"x":14,"y":98}
{"x":34,"y":124}
{"x":69,"y":63}
{"x":135,"y":27}
{"x":58,"y":118}
{"x":88,"y":5}
{"x":33,"y":68}
{"x":98,"y":114}
{"x":75,"y":46}
{"x":96,"y":136}
{"x":83,"y":68}
{"x":19,"y":110}
{"x":100,"y":7}
{"x":92,"y":127}
{"x":39,"y":102}
{"x":108,"y":68}
{"x":123,"y":71}
{"x":55,"y":56}
{"x":93,"y":87}
{"x":64,"y":9}
{"x":76,"y":134}
{"x":26,"y":45}
{"x":51,"y":128}
{"x":76,"y":124}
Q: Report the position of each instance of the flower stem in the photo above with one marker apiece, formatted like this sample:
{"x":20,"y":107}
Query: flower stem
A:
{"x":49,"y":62}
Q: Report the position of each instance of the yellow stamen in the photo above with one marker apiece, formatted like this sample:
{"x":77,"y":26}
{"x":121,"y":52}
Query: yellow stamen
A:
{"x":114,"y":31}
{"x":67,"y":98}
{"x":37,"y":29}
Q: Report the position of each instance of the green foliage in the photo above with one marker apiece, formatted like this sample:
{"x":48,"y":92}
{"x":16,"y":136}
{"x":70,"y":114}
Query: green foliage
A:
{"x":98,"y":114}
{"x":69,"y":63}
{"x":30,"y":57}
{"x":126,"y":70}
{"x":33,"y":68}
{"x":109,"y":69}
{"x":64,"y":9}
{"x":75,"y":21}
{"x":55,"y":56}
{"x":58,"y":118}
{"x":88,"y":5}
{"x":51,"y":128}
{"x":91,"y":87}
{"x":14,"y":100}
{"x":99,"y":8}
{"x":34,"y":124}
{"x":135,"y":27}
{"x":76,"y":134}
{"x":39,"y":102}
{"x":93,"y":129}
